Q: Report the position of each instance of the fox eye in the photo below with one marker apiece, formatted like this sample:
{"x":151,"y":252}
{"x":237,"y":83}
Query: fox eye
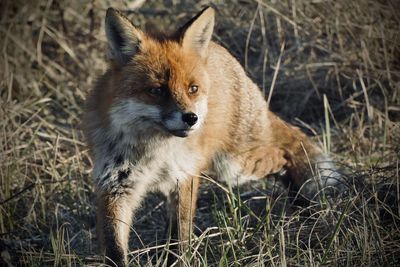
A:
{"x":156,"y":91}
{"x":193,"y":89}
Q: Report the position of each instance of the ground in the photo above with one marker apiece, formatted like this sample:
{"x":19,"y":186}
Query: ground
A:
{"x":329,"y":67}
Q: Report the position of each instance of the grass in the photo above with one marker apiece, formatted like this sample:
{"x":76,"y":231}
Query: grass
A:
{"x":330,"y":67}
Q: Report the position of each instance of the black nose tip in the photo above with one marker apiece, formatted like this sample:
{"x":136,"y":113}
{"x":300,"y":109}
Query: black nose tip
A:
{"x":190,"y":118}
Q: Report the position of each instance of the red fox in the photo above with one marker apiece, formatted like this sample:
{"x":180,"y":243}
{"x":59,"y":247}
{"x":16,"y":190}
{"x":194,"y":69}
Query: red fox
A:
{"x":171,"y":108}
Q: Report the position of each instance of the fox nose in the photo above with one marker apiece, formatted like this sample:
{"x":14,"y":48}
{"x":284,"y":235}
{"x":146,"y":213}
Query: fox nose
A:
{"x":190,"y":118}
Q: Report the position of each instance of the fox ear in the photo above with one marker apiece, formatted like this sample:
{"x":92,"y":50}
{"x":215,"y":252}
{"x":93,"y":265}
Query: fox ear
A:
{"x":196,"y":33}
{"x":123,"y":38}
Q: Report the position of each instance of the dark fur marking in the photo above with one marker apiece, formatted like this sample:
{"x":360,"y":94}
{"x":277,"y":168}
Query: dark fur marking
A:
{"x":127,"y":185}
{"x":118,"y":160}
{"x":163,"y":172}
{"x":202,"y":36}
{"x":114,"y":251}
{"x":117,"y":36}
{"x":122,"y":175}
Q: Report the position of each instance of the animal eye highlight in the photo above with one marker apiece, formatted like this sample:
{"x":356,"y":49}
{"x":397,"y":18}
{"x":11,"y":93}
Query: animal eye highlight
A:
{"x":193,"y":89}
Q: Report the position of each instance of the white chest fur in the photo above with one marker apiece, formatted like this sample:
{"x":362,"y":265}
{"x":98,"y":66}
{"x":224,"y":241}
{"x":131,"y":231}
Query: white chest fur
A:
{"x":158,"y":165}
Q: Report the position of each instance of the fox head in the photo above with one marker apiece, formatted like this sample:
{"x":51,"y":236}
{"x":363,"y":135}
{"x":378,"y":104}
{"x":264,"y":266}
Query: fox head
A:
{"x":159,"y":82}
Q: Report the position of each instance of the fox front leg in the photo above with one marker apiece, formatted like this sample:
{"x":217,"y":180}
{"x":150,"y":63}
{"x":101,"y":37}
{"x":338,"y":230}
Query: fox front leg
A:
{"x":114,"y":218}
{"x":182,"y":208}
